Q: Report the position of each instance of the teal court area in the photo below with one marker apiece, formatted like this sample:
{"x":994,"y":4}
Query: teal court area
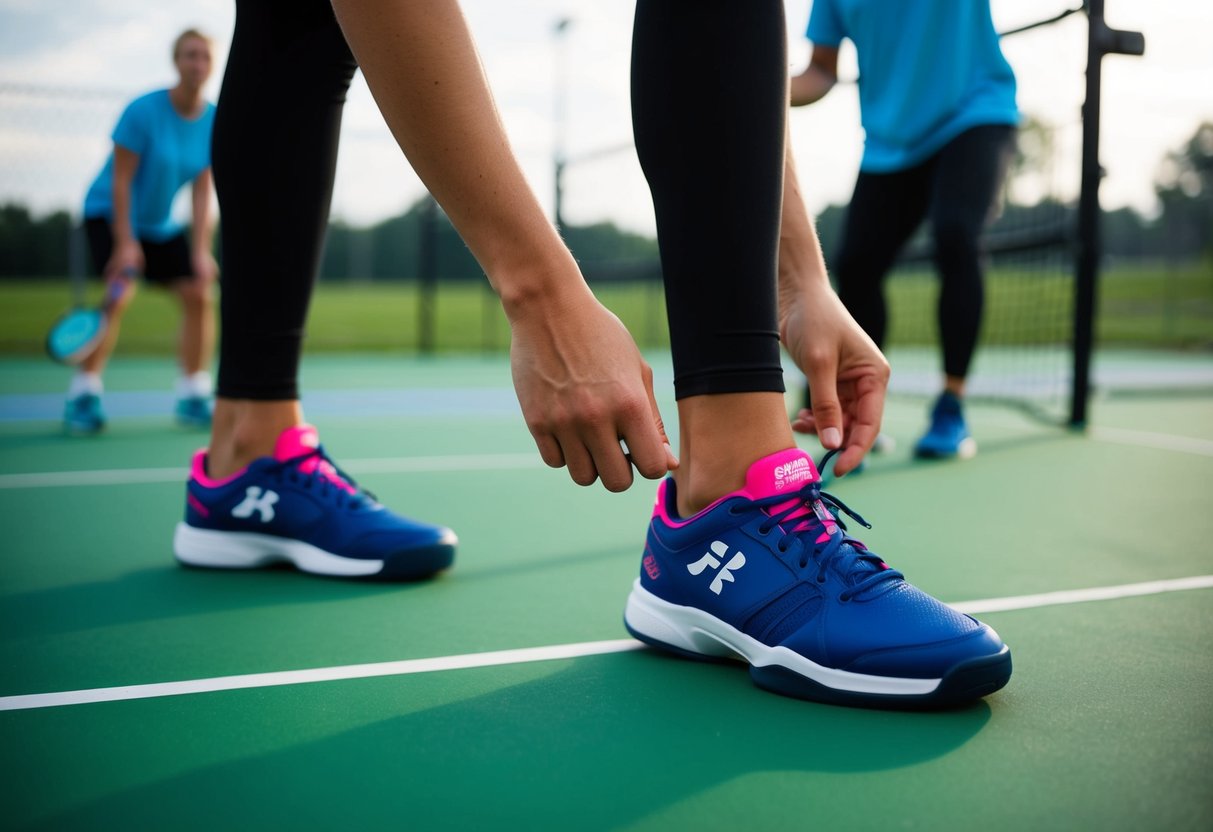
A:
{"x":505,"y":694}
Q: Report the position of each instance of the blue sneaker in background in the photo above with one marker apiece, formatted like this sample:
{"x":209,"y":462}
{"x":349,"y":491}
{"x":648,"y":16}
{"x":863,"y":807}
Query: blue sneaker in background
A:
{"x":767,"y":575}
{"x":193,"y":412}
{"x":948,"y":435}
{"x":297,"y":507}
{"x":83,"y":415}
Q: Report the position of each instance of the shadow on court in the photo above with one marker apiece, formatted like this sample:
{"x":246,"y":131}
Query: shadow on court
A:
{"x":606,"y":742}
{"x":171,"y":592}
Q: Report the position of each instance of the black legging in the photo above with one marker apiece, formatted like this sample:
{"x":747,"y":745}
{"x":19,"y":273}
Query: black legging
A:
{"x":274,"y":153}
{"x":956,"y":188}
{"x":709,"y":104}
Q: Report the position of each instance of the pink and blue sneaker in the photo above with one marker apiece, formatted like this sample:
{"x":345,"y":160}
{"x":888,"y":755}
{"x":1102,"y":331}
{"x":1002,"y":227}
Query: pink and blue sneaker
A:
{"x":298,"y":507}
{"x":768,"y":575}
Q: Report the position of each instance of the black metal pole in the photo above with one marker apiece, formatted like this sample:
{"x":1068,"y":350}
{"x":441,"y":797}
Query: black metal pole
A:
{"x":1100,"y":41}
{"x":1088,"y":225}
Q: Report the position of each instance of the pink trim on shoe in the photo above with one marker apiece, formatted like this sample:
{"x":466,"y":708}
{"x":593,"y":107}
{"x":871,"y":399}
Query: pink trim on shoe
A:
{"x":301,"y":440}
{"x":787,"y":470}
{"x":196,"y":504}
{"x":198,"y":472}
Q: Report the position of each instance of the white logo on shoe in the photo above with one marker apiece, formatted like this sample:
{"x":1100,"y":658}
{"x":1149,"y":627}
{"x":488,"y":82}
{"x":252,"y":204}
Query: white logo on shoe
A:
{"x":714,"y":561}
{"x":259,"y":501}
{"x":792,"y":473}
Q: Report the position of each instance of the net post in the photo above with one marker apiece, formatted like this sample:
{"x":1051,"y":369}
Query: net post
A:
{"x":1101,"y":40}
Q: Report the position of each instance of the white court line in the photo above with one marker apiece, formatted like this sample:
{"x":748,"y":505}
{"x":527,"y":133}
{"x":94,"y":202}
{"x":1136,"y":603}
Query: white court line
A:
{"x":521,"y":656}
{"x":378,"y":465}
{"x":1148,"y":439}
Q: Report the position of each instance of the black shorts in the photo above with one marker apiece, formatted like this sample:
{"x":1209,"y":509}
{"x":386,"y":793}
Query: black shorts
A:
{"x":163,"y":262}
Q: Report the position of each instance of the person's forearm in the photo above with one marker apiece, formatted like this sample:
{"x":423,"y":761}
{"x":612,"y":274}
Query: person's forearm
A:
{"x":810,"y":86}
{"x":126,"y":163}
{"x":201,"y":228}
{"x":800,"y":258}
{"x":422,"y":67}
{"x":120,"y":223}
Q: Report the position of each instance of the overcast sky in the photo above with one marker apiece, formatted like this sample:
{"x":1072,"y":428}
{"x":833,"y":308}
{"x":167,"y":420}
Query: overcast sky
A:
{"x":50,"y":147}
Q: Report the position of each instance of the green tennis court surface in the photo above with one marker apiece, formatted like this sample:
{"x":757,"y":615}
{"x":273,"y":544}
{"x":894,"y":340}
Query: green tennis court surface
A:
{"x":1107,"y":722}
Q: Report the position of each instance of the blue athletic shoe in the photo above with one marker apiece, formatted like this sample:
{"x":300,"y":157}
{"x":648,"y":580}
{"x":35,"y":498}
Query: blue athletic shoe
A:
{"x":83,"y":415}
{"x":193,"y":412}
{"x":297,"y":507}
{"x":767,"y":575}
{"x":948,"y":436}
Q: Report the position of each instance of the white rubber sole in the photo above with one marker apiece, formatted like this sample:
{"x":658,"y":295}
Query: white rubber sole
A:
{"x":247,"y":550}
{"x":691,"y":630}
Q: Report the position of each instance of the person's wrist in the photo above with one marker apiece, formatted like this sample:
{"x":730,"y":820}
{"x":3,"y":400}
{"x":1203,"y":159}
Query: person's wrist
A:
{"x":539,"y":288}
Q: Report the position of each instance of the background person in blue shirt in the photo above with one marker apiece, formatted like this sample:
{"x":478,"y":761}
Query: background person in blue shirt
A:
{"x":161,"y":142}
{"x":937,"y":103}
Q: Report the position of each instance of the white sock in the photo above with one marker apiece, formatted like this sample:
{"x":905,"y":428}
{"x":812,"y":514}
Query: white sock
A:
{"x":83,"y":382}
{"x":195,"y":385}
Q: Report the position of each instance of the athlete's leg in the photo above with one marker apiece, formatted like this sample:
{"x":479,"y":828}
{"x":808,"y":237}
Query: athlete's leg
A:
{"x":195,"y":349}
{"x":968,"y":177}
{"x":274,"y":157}
{"x":196,"y":343}
{"x":709,"y":101}
{"x":885,"y":210}
{"x":763,"y":571}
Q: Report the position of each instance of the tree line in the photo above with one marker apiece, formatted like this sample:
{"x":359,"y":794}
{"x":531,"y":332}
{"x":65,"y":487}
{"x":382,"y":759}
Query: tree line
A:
{"x":421,"y":243}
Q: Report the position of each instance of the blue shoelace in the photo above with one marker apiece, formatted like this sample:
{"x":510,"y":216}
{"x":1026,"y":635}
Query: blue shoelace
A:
{"x":291,"y":469}
{"x":816,"y":512}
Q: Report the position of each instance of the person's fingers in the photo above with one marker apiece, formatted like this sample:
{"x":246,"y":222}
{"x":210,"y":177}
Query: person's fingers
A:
{"x":549,"y":449}
{"x":803,"y":421}
{"x":610,"y":462}
{"x":827,"y":412}
{"x":580,"y":460}
{"x":643,"y":431}
{"x":866,"y":412}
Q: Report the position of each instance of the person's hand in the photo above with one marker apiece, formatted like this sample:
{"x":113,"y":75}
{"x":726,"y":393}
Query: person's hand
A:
{"x":583,"y":387}
{"x":203,"y":265}
{"x":846,"y":372}
{"x":125,"y":261}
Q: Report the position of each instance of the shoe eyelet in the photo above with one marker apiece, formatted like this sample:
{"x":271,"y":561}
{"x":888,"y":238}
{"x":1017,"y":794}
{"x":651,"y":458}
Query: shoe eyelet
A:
{"x":844,"y":598}
{"x":764,"y":530}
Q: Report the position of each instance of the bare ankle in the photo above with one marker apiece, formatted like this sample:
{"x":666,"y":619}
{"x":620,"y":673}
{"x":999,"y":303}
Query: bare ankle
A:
{"x":244,"y":430}
{"x":721,"y":436}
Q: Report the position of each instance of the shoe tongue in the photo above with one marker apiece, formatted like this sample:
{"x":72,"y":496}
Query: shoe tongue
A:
{"x":296,"y":441}
{"x":303,"y":439}
{"x":785,"y":472}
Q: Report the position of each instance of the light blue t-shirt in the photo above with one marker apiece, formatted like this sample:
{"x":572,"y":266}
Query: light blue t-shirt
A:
{"x":928,"y":71}
{"x":172,"y":151}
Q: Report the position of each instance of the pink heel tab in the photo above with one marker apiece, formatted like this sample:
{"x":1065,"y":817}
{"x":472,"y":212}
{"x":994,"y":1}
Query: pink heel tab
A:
{"x":198,"y":471}
{"x":660,"y":511}
{"x":665,"y":508}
